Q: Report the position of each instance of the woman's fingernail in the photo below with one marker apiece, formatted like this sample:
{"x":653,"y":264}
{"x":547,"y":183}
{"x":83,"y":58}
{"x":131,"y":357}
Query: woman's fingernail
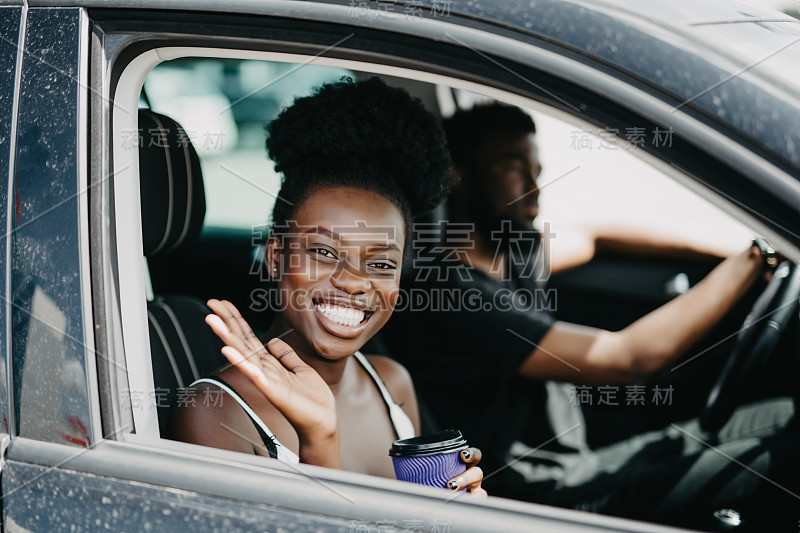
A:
{"x":216,"y":321}
{"x":466,"y":455}
{"x":453,"y":485}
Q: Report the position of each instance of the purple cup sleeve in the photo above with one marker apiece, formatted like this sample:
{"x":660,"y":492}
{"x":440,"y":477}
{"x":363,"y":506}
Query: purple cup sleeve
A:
{"x":433,"y":470}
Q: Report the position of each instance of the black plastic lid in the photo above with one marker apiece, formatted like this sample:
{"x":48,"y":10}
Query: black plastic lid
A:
{"x":447,"y":441}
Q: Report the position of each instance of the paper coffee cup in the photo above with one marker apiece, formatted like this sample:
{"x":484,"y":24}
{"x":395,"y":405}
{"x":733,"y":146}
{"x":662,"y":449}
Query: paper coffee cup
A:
{"x":430,"y":459}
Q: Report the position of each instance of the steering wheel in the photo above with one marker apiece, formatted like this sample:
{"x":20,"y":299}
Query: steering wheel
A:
{"x":762,"y":329}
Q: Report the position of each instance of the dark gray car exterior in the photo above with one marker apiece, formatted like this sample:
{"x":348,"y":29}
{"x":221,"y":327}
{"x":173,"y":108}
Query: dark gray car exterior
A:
{"x":73,"y":460}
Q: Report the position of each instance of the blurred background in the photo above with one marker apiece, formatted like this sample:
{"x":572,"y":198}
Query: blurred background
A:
{"x":787,"y":6}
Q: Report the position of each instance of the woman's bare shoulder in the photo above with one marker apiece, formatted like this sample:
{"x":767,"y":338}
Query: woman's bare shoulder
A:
{"x":205,"y":414}
{"x":393,"y":374}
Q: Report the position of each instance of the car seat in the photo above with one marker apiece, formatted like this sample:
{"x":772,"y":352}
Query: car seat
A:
{"x":183,"y":348}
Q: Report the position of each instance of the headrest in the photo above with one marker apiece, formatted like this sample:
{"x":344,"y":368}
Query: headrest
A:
{"x":171,"y":184}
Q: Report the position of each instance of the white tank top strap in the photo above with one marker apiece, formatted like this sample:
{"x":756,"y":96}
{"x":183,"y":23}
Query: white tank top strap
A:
{"x":403,"y":427}
{"x":284,"y":454}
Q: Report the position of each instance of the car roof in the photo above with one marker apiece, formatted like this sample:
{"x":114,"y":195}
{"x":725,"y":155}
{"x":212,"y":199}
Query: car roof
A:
{"x":730,"y":63}
{"x":734,"y":63}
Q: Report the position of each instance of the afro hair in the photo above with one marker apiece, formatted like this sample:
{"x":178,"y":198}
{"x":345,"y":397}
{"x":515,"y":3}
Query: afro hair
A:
{"x":362,"y":134}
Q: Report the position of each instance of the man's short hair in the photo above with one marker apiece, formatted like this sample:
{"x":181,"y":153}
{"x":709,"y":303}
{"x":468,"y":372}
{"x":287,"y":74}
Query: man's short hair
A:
{"x":467,"y":129}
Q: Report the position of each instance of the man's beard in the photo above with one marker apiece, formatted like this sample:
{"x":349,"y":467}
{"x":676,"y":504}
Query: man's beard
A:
{"x":489,"y":224}
{"x":508,"y":237}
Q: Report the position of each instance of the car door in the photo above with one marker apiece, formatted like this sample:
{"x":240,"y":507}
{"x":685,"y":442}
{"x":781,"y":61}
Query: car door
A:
{"x":85,"y":454}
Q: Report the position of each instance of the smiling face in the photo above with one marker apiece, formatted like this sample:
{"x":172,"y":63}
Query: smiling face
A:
{"x":340,"y":266}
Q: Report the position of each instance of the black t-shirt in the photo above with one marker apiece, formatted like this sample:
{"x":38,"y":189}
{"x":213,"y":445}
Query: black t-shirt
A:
{"x":463,"y":335}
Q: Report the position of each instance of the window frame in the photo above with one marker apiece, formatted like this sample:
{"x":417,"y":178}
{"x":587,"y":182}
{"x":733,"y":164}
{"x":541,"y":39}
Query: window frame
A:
{"x":122,"y":302}
{"x":131,"y":266}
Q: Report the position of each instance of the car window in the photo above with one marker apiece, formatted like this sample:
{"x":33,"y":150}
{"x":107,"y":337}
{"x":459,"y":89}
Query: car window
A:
{"x":592,"y":178}
{"x":592,"y":182}
{"x":224,"y":106}
{"x":48,"y":308}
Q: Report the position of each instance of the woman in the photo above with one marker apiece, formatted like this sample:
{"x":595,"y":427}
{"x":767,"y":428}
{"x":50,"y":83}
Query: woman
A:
{"x":358,"y":159}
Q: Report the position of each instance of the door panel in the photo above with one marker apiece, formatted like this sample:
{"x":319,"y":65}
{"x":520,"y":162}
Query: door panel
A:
{"x":50,"y":365}
{"x":39,"y":498}
{"x":123,"y":487}
{"x":374,"y":500}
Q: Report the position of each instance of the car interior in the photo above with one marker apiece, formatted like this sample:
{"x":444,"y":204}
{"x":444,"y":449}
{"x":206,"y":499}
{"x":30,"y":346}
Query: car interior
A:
{"x":206,"y":197}
{"x":173,"y":207}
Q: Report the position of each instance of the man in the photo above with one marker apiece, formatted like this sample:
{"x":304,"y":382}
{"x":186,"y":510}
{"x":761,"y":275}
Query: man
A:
{"x":484,"y":348}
